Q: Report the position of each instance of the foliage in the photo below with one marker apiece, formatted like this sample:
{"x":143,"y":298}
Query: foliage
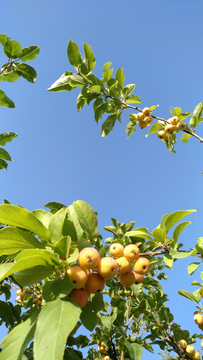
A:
{"x":38,"y":248}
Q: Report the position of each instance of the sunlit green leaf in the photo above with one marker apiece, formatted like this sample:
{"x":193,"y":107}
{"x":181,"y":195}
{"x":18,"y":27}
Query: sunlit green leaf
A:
{"x":132,"y":99}
{"x":56,"y":225}
{"x":168,"y":260}
{"x":74,"y":55}
{"x":89,"y":58}
{"x":154,"y":129}
{"x":108,"y":125}
{"x":62,"y":246}
{"x":32,"y":276}
{"x":120,"y":77}
{"x":197,"y":114}
{"x":175,"y":217}
{"x":108,"y":320}
{"x":138,"y":233}
{"x":29,"y":53}
{"x":179,"y":228}
{"x":28,"y":72}
{"x":159,"y":235}
{"x":107,"y":73}
{"x":180,"y":254}
{"x":185,"y":137}
{"x":5,"y":101}
{"x":193,"y":267}
{"x":12,"y":48}
{"x":130,"y":128}
{"x":87,"y":218}
{"x":62,"y":287}
{"x":188,"y":295}
{"x":7,"y":137}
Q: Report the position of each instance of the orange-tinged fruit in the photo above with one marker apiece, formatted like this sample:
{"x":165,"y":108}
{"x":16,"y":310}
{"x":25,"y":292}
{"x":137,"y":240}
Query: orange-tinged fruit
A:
{"x":190,"y":349}
{"x":148,"y":119}
{"x":88,"y":258}
{"x":78,"y":276}
{"x":169,"y":128}
{"x":140,"y":116}
{"x":131,"y":252}
{"x":107,"y":267}
{"x":123,"y":265}
{"x":161,"y":134}
{"x":80,"y":296}
{"x":116,"y":250}
{"x":195,"y":356}
{"x":138,"y":278}
{"x":127,"y":279}
{"x":146,"y":111}
{"x":35,"y":300}
{"x":142,"y":124}
{"x":95,"y":283}
{"x":183,"y":344}
{"x":141,"y":266}
{"x":198,"y":319}
{"x":181,"y":125}
{"x":174,"y":120}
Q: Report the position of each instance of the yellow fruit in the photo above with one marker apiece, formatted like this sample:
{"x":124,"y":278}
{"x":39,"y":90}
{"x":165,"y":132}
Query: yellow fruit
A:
{"x":141,"y":266}
{"x":78,"y":276}
{"x":166,"y":138}
{"x":18,"y":292}
{"x":39,"y":302}
{"x":140,"y":116}
{"x":127,"y":292}
{"x":18,"y":300}
{"x":95,"y":283}
{"x":127,"y":279}
{"x":161,"y":134}
{"x":103,"y":343}
{"x":202,"y":343}
{"x":183,"y":344}
{"x":142,"y":124}
{"x":116,"y":250}
{"x":107,"y":358}
{"x":181,"y":125}
{"x":195,"y":356}
{"x":198,"y":319}
{"x":88,"y":258}
{"x":99,"y":342}
{"x":146,"y":111}
{"x":131,"y":252}
{"x":169,"y":128}
{"x":80,"y":296}
{"x":138,"y":278}
{"x":123,"y":265}
{"x":190,"y":349}
{"x":148,"y":119}
{"x":107,"y":267}
{"x":174,"y":120}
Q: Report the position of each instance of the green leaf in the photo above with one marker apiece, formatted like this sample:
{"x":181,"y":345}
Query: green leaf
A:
{"x":4,"y":154}
{"x":197,"y":114}
{"x":107,"y":73}
{"x":10,"y":72}
{"x":20,"y":217}
{"x":74,"y":55}
{"x":108,"y":320}
{"x":175,"y":217}
{"x":138,"y":233}
{"x":130,"y":128}
{"x":77,"y":80}
{"x":13,"y":240}
{"x":3,"y":39}
{"x":62,"y":84}
{"x":87,"y":218}
{"x":98,"y":303}
{"x":120,"y":77}
{"x":185,"y":137}
{"x":176,"y":111}
{"x":6,"y":313}
{"x":89,"y":58}
{"x":72,"y":225}
{"x":193,"y":267}
{"x":179,"y":228}
{"x":108,"y":125}
{"x":56,"y":225}
{"x":5,"y":101}
{"x":12,"y":48}
{"x":73,"y":257}
{"x":29,"y":53}
{"x":28,"y":72}
{"x":62,"y":246}
{"x":180,"y":255}
{"x":132,"y":99}
{"x":135,"y":350}
{"x":154,"y":129}
{"x":159,"y":235}
{"x":89,"y":317}
{"x":128,"y":89}
{"x":3,"y":164}
{"x":188,"y":295}
{"x":43,"y":216}
{"x":62,"y":287}
{"x":7,"y":137}
{"x":81,"y":100}
{"x":32,"y":276}
{"x":17,"y":340}
{"x":54,"y":206}
{"x":168,"y":260}
{"x":56,"y":320}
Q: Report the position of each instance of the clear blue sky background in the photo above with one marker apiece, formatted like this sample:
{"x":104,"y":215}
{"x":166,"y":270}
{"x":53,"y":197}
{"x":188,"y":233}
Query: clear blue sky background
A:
{"x":59,"y":154}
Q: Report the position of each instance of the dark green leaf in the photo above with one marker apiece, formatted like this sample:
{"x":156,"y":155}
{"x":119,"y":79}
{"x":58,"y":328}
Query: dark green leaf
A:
{"x":74,"y":55}
{"x":6,"y":313}
{"x":29,"y":53}
{"x":89,"y":317}
{"x":3,"y":164}
{"x":108,"y":125}
{"x":28,"y":72}
{"x":89,"y":58}
{"x":62,"y":287}
{"x":130,"y":128}
{"x":7,"y":137}
{"x":135,"y":350}
{"x":5,"y":101}
{"x":32,"y":276}
{"x":62,"y":84}
{"x":4,"y":154}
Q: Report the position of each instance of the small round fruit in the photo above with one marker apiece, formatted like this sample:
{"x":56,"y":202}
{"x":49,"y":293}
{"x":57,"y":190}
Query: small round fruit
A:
{"x":116,"y":250}
{"x":142,"y":124}
{"x":190,"y":349}
{"x":141,"y":266}
{"x":183,"y":344}
{"x":123,"y":265}
{"x":88,"y":258}
{"x":95,"y":283}
{"x":127,"y":279}
{"x":174,"y":120}
{"x":169,"y":128}
{"x":131,"y":252}
{"x":138,"y":278}
{"x":78,"y":276}
{"x":202,"y":343}
{"x":35,"y":300}
{"x":107,"y":358}
{"x":127,"y":292}
{"x":161,"y":134}
{"x":80,"y":296}
{"x":195,"y":356}
{"x":18,"y":292}
{"x":198,"y":319}
{"x":18,"y":300}
{"x":140,"y":116}
{"x":166,"y":138}
{"x":148,"y":119}
{"x":146,"y":111}
{"x":39,"y":302}
{"x":107,"y":267}
{"x":181,"y":125}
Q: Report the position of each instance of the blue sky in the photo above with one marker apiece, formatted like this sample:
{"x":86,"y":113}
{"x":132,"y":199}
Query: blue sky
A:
{"x":59,"y":154}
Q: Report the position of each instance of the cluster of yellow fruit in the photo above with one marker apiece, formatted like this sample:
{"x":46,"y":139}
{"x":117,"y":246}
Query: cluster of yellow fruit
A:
{"x":38,"y":300}
{"x":190,"y":350}
{"x":102,"y":348}
{"x":90,"y":275}
{"x":144,"y":117}
{"x":174,"y":122}
{"x":22,"y":295}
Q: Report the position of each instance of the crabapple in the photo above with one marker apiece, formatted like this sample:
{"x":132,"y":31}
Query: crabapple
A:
{"x":116,"y":250}
{"x":78,"y":276}
{"x":142,"y":124}
{"x":198,"y":319}
{"x":169,"y":128}
{"x":80,"y":296}
{"x":127,"y":279}
{"x":107,"y":267}
{"x":88,"y":258}
{"x":195,"y":356}
{"x":95,"y":283}
{"x":141,"y":266}
{"x":148,"y":119}
{"x":190,"y":349}
{"x":146,"y":111}
{"x":181,"y":125}
{"x":131,"y":252}
{"x":123,"y":265}
{"x":140,"y":116}
{"x":174,"y":120}
{"x":138,"y":278}
{"x":183,"y":344}
{"x":161,"y":134}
